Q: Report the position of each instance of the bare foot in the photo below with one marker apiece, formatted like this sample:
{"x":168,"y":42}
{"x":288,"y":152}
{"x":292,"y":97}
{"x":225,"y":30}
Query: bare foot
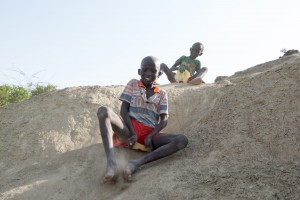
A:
{"x":196,"y":81}
{"x":111,"y":176}
{"x":128,"y":171}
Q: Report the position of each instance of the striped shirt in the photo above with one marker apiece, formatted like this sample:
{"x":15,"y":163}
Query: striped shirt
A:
{"x":144,"y":110}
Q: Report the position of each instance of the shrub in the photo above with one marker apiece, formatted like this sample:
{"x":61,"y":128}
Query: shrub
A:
{"x":4,"y":94}
{"x":283,"y":50}
{"x":39,"y":89}
{"x":19,"y":93}
{"x":11,"y":94}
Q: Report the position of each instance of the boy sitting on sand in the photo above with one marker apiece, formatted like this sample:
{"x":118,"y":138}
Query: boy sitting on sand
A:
{"x":189,"y":68}
{"x":144,"y":113}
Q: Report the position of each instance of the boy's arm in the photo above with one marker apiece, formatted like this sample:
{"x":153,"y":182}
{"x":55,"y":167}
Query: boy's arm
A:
{"x":161,"y":125}
{"x":125,"y":116}
{"x":194,"y":76}
{"x":198,"y":67}
{"x":174,"y":67}
{"x":177,"y":62}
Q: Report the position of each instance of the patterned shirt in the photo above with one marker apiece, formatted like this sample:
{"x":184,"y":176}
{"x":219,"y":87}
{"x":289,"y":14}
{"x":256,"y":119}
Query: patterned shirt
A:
{"x":144,"y":110}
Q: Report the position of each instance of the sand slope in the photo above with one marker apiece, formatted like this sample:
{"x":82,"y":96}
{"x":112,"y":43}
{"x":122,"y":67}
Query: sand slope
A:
{"x":244,"y":138}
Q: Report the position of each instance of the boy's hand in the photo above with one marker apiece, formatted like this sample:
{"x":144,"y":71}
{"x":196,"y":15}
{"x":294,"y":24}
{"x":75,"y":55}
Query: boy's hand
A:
{"x":181,"y":68}
{"x":131,"y":141}
{"x":148,"y":143}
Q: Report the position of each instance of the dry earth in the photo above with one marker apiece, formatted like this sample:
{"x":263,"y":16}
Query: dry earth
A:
{"x":244,"y":135}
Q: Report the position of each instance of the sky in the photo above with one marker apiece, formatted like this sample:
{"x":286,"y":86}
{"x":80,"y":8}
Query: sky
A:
{"x":95,"y":42}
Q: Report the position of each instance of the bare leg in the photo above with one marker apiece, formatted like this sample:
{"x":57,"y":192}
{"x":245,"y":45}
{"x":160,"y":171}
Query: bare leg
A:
{"x":198,"y":80}
{"x":109,"y":121}
{"x":202,"y":72}
{"x":170,"y":75}
{"x":164,"y":145}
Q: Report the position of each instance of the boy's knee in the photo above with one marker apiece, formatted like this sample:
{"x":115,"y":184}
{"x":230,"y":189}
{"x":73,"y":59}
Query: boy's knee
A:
{"x":103,"y":112}
{"x":163,"y":66}
{"x":204,"y":69}
{"x":182,"y":141}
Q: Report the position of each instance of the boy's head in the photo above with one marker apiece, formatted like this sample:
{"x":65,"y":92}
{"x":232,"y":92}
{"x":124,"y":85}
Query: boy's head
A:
{"x":150,"y":70}
{"x":196,"y":50}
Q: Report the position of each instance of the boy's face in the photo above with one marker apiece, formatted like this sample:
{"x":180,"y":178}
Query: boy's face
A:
{"x":195,"y":51}
{"x":149,"y":71}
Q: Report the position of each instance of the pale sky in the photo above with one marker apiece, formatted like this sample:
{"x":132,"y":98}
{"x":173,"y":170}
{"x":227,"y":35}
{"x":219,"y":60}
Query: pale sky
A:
{"x":96,"y":42}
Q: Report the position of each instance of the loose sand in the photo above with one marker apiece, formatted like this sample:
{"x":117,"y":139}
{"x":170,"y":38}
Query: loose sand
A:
{"x":243,"y":131}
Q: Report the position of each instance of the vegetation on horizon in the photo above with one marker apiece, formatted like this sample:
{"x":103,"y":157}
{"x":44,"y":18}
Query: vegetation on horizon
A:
{"x":12,"y":93}
{"x":17,"y":93}
{"x":283,"y":50}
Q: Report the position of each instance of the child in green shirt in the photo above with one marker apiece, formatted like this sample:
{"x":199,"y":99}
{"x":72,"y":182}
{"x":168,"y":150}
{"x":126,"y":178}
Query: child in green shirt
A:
{"x":189,"y":68}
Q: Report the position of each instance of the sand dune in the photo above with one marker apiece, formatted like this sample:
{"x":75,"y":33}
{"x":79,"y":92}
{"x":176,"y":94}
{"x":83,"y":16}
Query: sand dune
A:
{"x":244,"y":135}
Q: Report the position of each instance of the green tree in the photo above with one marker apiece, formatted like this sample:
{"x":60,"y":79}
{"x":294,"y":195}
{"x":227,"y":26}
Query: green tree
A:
{"x":11,"y":94}
{"x":39,"y":89}
{"x":5,"y":91}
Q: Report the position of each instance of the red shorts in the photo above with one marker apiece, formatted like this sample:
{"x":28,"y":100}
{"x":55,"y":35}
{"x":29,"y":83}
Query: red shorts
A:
{"x":141,"y":130}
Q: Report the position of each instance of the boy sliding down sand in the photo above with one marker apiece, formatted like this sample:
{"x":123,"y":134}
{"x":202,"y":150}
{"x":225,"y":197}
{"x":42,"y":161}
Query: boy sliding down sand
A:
{"x":144,"y":113}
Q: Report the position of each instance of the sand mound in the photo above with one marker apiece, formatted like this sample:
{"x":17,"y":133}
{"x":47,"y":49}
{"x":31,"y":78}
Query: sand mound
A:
{"x":243,"y":133}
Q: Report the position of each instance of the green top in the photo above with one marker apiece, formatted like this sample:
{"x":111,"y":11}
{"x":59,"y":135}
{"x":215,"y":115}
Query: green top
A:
{"x":191,"y":65}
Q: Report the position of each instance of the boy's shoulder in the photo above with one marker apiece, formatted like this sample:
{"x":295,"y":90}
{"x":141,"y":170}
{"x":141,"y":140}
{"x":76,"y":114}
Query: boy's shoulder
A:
{"x":133,"y":82}
{"x":183,"y":57}
{"x":161,"y":91}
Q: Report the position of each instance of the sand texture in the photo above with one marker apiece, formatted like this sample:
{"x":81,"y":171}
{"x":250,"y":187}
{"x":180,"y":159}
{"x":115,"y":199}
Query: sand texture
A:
{"x":243,"y":131}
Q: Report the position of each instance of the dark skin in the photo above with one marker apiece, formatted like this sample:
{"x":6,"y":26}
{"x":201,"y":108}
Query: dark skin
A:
{"x":195,"y":51}
{"x":160,"y":146}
